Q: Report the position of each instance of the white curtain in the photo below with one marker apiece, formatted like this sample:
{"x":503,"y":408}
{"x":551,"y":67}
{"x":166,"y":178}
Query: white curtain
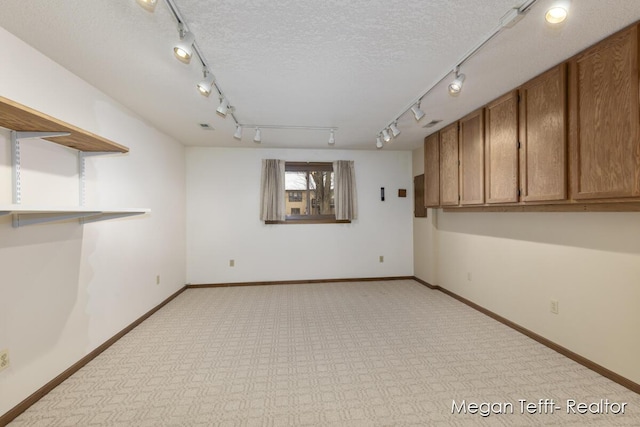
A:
{"x":345,"y":195}
{"x":272,"y":206}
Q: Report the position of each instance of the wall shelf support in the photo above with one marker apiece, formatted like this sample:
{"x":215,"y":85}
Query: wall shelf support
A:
{"x":16,"y":136}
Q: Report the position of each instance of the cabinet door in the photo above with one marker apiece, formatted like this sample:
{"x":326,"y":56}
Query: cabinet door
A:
{"x":472,"y":159}
{"x":604,"y":138}
{"x":501,"y":149}
{"x":449,"y":195}
{"x":543,"y":137}
{"x":432,"y":171}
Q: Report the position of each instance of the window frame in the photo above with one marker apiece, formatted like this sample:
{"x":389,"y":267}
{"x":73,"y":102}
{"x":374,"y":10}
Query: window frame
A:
{"x":309,"y":219}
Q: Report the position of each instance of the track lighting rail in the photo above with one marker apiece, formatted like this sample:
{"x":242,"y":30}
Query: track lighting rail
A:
{"x":508,"y":20}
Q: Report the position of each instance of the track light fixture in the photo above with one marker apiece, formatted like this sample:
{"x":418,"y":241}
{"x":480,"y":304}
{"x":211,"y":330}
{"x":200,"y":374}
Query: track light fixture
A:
{"x":417,"y":112}
{"x":394,"y":129}
{"x":148,"y":5}
{"x":456,"y":85}
{"x":257,"y":137}
{"x":508,"y":20}
{"x":558,"y":12}
{"x":385,"y":135}
{"x":238,"y":133}
{"x":223,"y":107}
{"x":379,"y":143}
{"x":183,"y":50}
{"x":332,"y":137}
{"x":205,"y":86}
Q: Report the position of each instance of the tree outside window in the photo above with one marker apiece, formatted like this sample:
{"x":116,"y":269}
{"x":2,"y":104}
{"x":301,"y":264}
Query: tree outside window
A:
{"x":309,"y":188}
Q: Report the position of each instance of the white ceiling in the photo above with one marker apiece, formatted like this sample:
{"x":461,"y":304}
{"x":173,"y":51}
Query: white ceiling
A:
{"x":351,"y":64}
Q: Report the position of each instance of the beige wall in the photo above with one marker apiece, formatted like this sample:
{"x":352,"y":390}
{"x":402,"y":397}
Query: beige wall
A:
{"x":518,"y":262}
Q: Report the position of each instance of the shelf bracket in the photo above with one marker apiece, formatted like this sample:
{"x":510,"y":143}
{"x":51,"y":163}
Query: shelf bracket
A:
{"x":15,"y":162}
{"x":16,"y":136}
{"x":20,"y":220}
{"x":82,"y":172}
{"x":104,"y":216}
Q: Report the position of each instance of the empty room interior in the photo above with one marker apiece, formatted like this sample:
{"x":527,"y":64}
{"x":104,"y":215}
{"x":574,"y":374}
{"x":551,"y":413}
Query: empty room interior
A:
{"x":319,"y":213}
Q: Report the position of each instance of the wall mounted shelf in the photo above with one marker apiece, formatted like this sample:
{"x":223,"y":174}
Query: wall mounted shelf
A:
{"x":26,"y":215}
{"x":21,"y":118}
{"x":27,"y":123}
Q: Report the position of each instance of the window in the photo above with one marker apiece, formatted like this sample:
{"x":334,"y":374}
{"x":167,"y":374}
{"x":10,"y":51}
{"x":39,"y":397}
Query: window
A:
{"x":294,"y":196}
{"x":309,"y":188}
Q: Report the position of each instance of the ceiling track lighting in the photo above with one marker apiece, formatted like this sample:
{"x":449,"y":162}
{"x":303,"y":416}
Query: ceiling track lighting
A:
{"x":238,"y":133}
{"x":183,"y":50}
{"x":258,"y":128}
{"x":508,"y":20}
{"x":386,"y":136}
{"x":205,"y":86}
{"x":187,"y":47}
{"x":558,"y":12}
{"x":456,"y":85}
{"x":223,"y":107}
{"x":394,"y":129}
{"x":332,"y":137}
{"x":148,"y":5}
{"x":379,"y":143}
{"x":417,"y":112}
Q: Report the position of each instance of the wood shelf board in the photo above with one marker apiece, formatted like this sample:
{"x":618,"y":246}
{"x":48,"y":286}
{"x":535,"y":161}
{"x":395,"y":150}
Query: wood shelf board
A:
{"x":15,"y":116}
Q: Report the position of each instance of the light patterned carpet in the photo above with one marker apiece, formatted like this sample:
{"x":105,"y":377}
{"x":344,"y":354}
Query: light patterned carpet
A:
{"x":389,"y":353}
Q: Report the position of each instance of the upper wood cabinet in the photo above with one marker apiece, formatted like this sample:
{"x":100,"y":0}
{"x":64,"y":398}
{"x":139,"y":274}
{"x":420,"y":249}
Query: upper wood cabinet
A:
{"x":501,"y":149}
{"x":543,"y":137}
{"x":472,"y":158}
{"x":432,"y":171}
{"x":449,"y":163}
{"x":604,"y":132}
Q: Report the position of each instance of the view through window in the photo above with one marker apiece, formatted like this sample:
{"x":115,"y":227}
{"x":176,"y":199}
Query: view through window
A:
{"x":309,"y":188}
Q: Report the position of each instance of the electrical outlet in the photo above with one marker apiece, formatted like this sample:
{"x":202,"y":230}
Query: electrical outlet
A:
{"x":158,"y":279}
{"x":554,"y":307}
{"x":4,"y":359}
{"x":381,"y":258}
{"x":232,"y":263}
{"x":469,"y":276}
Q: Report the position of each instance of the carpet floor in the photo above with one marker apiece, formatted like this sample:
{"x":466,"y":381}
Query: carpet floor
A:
{"x":388,"y":353}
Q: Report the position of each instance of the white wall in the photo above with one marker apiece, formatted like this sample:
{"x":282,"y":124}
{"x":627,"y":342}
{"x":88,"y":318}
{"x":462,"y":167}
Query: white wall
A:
{"x":589,"y":262}
{"x":65,"y":288}
{"x":223,"y":200}
{"x":425,"y":255}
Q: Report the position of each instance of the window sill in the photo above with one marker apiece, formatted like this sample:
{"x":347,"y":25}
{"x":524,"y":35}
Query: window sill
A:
{"x":311,"y":221}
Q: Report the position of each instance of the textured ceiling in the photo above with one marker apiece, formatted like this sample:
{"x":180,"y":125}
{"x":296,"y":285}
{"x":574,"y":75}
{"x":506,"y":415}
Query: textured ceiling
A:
{"x":355,"y":65}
